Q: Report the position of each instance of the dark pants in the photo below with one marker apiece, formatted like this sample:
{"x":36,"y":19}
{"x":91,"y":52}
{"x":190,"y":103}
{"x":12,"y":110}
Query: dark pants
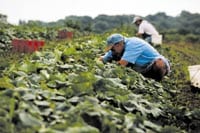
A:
{"x":157,"y":71}
{"x":147,"y":38}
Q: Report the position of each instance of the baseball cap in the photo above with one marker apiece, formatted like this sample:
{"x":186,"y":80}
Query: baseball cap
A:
{"x":113,"y":39}
{"x":136,"y":18}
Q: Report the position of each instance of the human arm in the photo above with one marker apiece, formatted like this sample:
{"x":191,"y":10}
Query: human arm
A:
{"x":139,"y":35}
{"x":140,"y":30}
{"x":107,"y":57}
{"x":123,"y":62}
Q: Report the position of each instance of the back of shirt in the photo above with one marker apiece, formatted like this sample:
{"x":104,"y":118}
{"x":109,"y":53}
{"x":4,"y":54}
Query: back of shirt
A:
{"x":139,"y":52}
{"x":148,"y":28}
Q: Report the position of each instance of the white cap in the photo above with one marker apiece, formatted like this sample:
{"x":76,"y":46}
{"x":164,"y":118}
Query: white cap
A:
{"x":136,"y":18}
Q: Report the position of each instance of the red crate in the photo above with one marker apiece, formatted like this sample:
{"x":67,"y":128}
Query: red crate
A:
{"x":15,"y":45}
{"x":69,"y":35}
{"x":26,"y":46}
{"x":64,"y":34}
{"x":30,"y":46}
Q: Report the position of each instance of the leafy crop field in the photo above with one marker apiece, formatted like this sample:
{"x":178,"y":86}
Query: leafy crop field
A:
{"x":64,"y":88}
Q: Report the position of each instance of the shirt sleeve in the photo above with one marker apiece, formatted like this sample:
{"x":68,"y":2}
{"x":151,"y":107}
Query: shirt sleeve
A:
{"x":108,"y":56}
{"x":141,"y":28}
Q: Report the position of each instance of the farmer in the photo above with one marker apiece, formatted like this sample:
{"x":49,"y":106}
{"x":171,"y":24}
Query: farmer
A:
{"x":138,"y":54}
{"x":145,"y":29}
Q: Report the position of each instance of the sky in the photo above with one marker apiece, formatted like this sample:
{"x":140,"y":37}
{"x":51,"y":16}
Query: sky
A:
{"x":53,"y":10}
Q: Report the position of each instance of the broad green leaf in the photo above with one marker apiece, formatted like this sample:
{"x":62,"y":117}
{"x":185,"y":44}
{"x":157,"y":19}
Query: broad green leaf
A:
{"x":29,"y":96}
{"x":69,"y":51}
{"x":45,"y":74}
{"x":42,"y":103}
{"x":28,"y":67}
{"x":152,"y":126}
{"x":29,"y":120}
{"x":6,"y":83}
{"x":82,"y":129}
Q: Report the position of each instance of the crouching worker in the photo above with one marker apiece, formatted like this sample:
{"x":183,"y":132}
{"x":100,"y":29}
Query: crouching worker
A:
{"x":138,"y":54}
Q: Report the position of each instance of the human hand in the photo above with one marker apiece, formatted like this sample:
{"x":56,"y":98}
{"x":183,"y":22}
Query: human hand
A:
{"x":137,"y":34}
{"x":100,"y":58}
{"x":123,"y":62}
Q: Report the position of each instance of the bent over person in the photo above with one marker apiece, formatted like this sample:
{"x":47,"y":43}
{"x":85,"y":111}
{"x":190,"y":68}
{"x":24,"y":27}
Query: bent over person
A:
{"x":145,"y":29}
{"x":138,"y":54}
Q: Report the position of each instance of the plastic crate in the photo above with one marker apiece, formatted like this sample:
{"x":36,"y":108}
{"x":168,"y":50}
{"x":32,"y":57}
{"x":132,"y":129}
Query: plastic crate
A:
{"x":26,"y":46}
{"x":156,"y":39}
{"x":194,"y":72}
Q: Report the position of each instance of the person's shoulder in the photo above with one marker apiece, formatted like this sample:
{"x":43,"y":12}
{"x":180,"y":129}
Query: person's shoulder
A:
{"x":130,"y":40}
{"x":133,"y":41}
{"x":144,"y":22}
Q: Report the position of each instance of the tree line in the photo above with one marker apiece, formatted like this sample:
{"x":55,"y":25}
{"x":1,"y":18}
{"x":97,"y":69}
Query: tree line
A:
{"x":184,"y":23}
{"x":185,"y":26}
